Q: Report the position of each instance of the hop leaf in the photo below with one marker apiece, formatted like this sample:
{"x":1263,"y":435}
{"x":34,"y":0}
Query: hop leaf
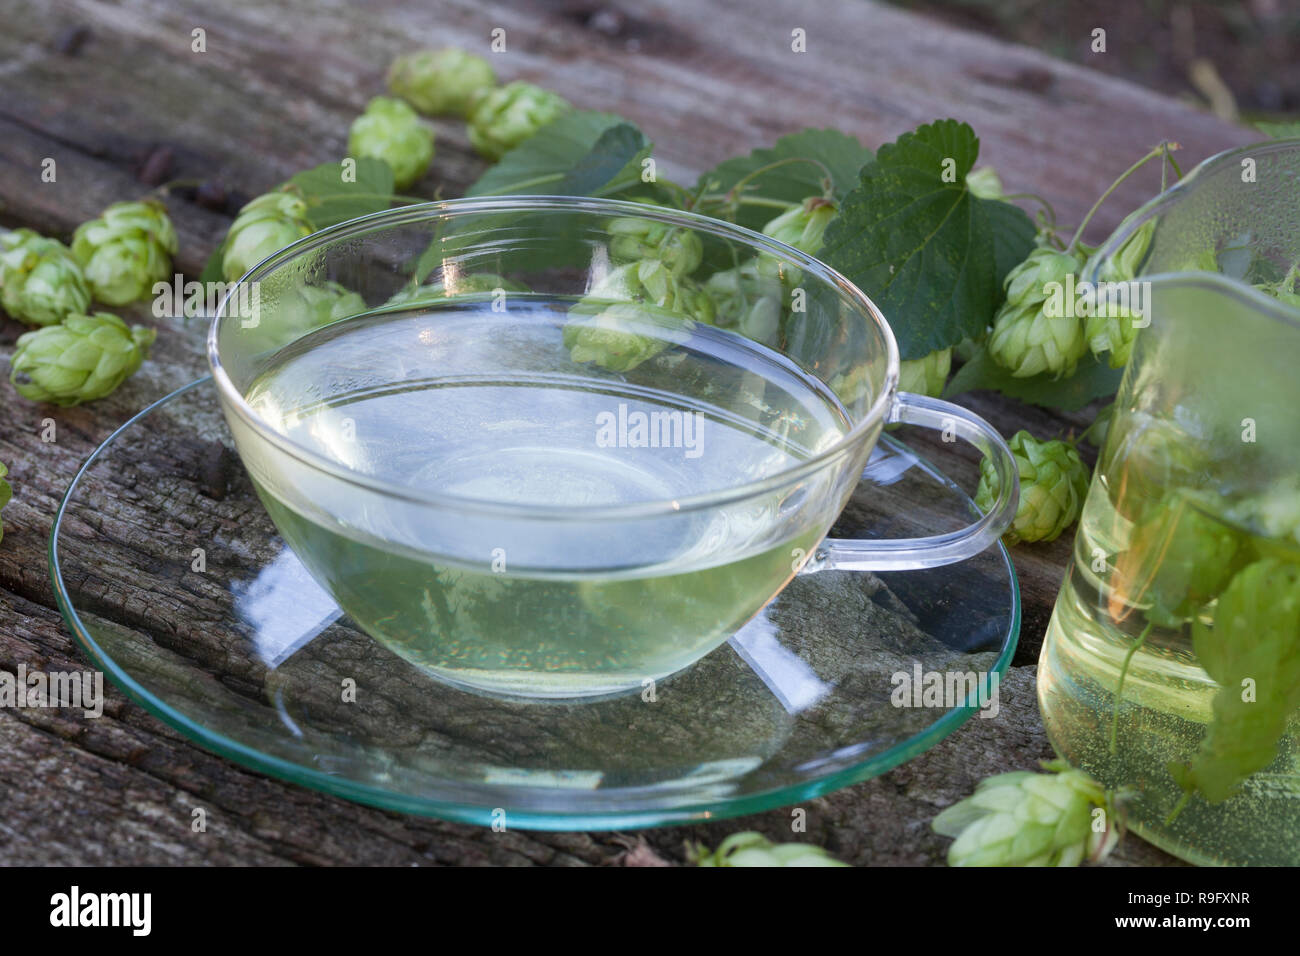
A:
{"x":929,"y":252}
{"x":1255,"y":636}
{"x":441,"y":82}
{"x":81,"y":360}
{"x":926,"y":375}
{"x":40,"y":280}
{"x":754,"y":849}
{"x":510,"y":114}
{"x":1026,"y":339}
{"x":126,"y":250}
{"x":1030,"y":819}
{"x":390,"y":130}
{"x":1053,"y":484}
{"x":263,"y":227}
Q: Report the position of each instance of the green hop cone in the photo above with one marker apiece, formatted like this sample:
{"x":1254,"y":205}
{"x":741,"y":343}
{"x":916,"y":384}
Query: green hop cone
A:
{"x":754,"y":849}
{"x":852,"y":386}
{"x":803,"y":227}
{"x":510,"y":114}
{"x":5,"y":494}
{"x":81,"y":360}
{"x":1112,"y":332}
{"x":926,"y":375}
{"x":476,"y":283}
{"x":1207,"y":260}
{"x":652,"y":282}
{"x":263,"y":227}
{"x":1288,"y":298}
{"x":1273,"y":515}
{"x":1122,"y":265}
{"x":748,"y":301}
{"x":126,"y":250}
{"x":1147,"y":457}
{"x":1031,"y":819}
{"x":1110,"y":325}
{"x":1053,"y":484}
{"x":1179,"y":559}
{"x":1285,"y":291}
{"x":632,"y":238}
{"x":624,"y":334}
{"x":634,"y":313}
{"x":311,"y":306}
{"x":443,"y":82}
{"x":40,"y":280}
{"x":391,"y":131}
{"x":1026,"y":339}
{"x":985,"y":183}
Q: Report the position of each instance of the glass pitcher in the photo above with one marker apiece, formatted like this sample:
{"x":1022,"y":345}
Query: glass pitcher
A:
{"x":1171,"y":665}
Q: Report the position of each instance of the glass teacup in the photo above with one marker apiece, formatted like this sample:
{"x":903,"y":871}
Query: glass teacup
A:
{"x":534,"y":458}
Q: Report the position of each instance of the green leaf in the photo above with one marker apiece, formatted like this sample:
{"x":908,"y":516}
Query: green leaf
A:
{"x":1091,"y":380}
{"x":212,"y":268}
{"x":1287,"y":130}
{"x":331,"y":200}
{"x":929,"y":253}
{"x":614,"y":160}
{"x":841,"y":154}
{"x":1013,"y":239}
{"x":1254,"y":641}
{"x":580,"y":153}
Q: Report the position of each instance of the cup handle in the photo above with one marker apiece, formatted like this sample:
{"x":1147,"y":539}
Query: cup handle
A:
{"x":907,"y":554}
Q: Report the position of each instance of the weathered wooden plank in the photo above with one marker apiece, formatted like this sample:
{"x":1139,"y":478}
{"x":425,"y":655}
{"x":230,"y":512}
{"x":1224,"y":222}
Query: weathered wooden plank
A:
{"x":278,"y":85}
{"x":274,"y":93}
{"x":129,"y":795}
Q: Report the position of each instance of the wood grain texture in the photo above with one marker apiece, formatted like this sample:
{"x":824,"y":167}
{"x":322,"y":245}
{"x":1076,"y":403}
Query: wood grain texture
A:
{"x":274,"y":93}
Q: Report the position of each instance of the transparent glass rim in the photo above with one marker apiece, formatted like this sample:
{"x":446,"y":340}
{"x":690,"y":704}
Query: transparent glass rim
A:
{"x":408,"y":215}
{"x":1175,"y":194}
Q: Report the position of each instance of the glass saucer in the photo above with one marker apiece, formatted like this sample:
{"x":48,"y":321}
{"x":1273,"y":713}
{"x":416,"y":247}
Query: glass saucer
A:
{"x":172,"y":577}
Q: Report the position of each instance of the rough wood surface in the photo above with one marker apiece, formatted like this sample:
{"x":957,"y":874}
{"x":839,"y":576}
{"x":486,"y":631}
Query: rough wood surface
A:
{"x":274,"y":93}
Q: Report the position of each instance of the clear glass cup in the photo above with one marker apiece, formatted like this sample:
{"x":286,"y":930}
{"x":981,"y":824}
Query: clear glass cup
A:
{"x":458,"y":447}
{"x":1198,"y":482}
